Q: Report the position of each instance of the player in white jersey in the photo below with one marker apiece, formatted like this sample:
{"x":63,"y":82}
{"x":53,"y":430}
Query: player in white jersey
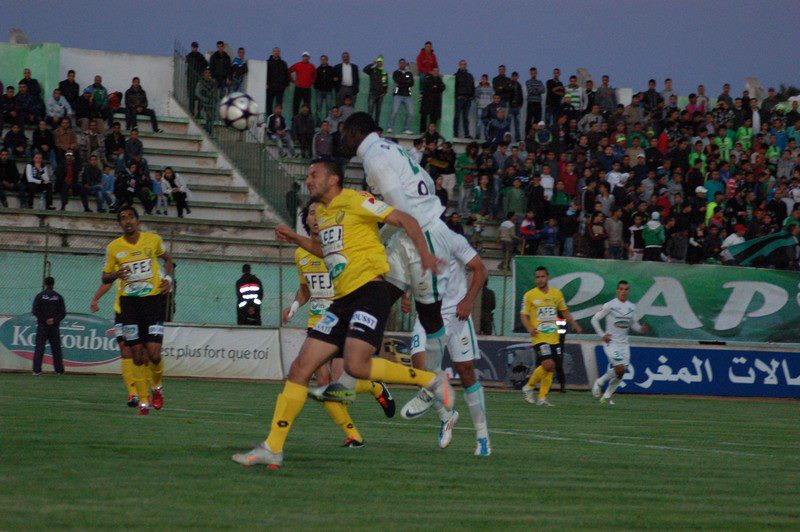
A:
{"x":620,"y":316}
{"x":392,"y":173}
{"x":462,"y":344}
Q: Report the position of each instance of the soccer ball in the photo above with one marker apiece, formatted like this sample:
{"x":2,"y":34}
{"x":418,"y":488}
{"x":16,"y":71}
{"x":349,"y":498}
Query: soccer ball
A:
{"x":238,"y":110}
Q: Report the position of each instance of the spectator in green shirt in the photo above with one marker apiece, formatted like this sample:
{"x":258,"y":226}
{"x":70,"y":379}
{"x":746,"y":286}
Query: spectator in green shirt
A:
{"x":466,"y":173}
{"x":745,"y":134}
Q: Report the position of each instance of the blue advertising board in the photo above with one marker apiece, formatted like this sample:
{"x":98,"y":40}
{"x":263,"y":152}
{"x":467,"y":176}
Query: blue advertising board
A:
{"x":732,"y":372}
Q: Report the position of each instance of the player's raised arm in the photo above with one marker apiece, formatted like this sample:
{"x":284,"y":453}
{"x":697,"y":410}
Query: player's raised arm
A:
{"x":411,"y":227}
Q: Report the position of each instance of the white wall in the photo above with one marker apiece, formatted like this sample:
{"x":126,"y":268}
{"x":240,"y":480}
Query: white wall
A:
{"x":117,"y":69}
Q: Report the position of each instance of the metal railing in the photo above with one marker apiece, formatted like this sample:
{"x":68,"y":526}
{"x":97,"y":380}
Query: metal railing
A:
{"x":247,"y":150}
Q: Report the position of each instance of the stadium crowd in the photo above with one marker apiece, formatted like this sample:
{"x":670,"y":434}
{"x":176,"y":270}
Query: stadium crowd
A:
{"x":77,"y":148}
{"x":581,"y":174}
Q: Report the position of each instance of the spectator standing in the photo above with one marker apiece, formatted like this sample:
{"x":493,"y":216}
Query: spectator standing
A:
{"x":249,"y":295}
{"x":305,"y":74}
{"x":220,"y":64}
{"x":534,"y":89}
{"x":598,"y":236}
{"x":238,"y":71}
{"x":322,"y":145}
{"x":323,"y":89}
{"x":654,"y":237}
{"x":38,"y":180}
{"x":196,"y":64}
{"x":576,"y":95}
{"x":303,"y":130}
{"x":515,"y":104}
{"x":431,"y":108}
{"x":403,"y":83}
{"x":488,"y":304}
{"x":277,"y":79}
{"x":613,"y":228}
{"x":606,"y":97}
{"x":464,"y":94}
{"x":49,"y":309}
{"x":70,"y":89}
{"x":555,"y":93}
{"x":57,"y":108}
{"x":484,"y":96}
{"x":466,"y":171}
{"x":206,"y":95}
{"x":136,"y":104}
{"x":502,"y":86}
{"x":507,"y":236}
{"x":635,"y":243}
{"x":426,"y":62}
{"x":378,"y":87}
{"x":346,"y":80}
{"x":100,"y":101}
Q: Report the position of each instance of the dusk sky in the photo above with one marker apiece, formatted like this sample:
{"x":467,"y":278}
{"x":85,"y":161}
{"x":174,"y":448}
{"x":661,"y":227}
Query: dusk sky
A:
{"x":693,"y":42}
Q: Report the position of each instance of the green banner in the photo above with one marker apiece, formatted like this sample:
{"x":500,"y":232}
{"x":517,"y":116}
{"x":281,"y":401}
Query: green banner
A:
{"x":678,"y":301}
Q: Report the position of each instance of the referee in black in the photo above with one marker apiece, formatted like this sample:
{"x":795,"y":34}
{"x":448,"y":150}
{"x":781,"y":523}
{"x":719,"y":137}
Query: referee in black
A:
{"x":49,"y":309}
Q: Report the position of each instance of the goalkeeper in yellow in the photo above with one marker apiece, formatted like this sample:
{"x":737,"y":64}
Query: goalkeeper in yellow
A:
{"x":540,"y":309}
{"x":316,"y":289}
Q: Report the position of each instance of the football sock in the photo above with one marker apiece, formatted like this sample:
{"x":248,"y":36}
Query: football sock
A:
{"x":363,"y":386}
{"x":536,"y":376}
{"x":127,"y":375}
{"x":605,"y":377}
{"x":346,"y":380}
{"x":289,"y":404}
{"x":341,"y":417}
{"x":612,"y":387}
{"x":547,"y":380}
{"x":385,"y":371}
{"x":477,"y":409}
{"x":441,"y":411}
{"x":140,"y":382}
{"x":156,"y":372}
{"x":434,"y":350}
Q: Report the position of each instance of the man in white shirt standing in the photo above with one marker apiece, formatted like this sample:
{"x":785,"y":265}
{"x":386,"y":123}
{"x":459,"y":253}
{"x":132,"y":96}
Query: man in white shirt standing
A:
{"x":620,"y":316}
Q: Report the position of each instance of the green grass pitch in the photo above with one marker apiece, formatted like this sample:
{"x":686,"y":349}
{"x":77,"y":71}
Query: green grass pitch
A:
{"x":72,"y":455}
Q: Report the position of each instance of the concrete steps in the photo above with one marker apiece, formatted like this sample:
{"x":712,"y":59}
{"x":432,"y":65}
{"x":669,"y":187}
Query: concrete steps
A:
{"x":185,"y":158}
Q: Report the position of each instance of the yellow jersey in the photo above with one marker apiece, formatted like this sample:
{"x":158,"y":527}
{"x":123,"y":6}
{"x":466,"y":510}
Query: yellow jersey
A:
{"x":314,"y":274}
{"x":348,"y":232}
{"x":542,"y":310}
{"x":142,"y":260}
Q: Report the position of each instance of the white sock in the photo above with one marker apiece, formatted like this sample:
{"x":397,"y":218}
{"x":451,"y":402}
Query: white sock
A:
{"x":607,"y":376}
{"x":434,"y":350}
{"x":612,"y":387}
{"x":443,"y":413}
{"x":347,"y":381}
{"x":477,"y":409}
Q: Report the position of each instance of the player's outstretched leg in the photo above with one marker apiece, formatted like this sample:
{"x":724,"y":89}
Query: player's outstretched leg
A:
{"x":597,"y":387}
{"x":380,"y":392}
{"x":619,"y":372}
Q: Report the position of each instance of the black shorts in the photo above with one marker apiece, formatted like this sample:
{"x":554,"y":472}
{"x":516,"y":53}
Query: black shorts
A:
{"x":119,"y":332}
{"x":361,"y":314}
{"x":545,"y":351}
{"x":143,"y":319}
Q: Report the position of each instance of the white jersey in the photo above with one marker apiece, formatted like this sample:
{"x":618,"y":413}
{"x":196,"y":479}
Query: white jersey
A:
{"x":462,"y":253}
{"x":392,"y":173}
{"x":620,"y":318}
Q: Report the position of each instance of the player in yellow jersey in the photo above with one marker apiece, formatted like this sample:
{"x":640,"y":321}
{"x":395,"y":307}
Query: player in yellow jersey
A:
{"x":317,"y":290}
{"x":133,"y":260}
{"x":126,"y":358}
{"x":354,"y":323}
{"x":540,"y":309}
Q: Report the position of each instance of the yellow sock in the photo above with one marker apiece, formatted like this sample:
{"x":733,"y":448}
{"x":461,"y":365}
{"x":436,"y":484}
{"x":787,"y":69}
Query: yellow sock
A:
{"x":363,"y":386}
{"x":383,"y":370}
{"x":156,"y":372}
{"x":140,"y":381}
{"x":537,"y":375}
{"x":127,"y":375}
{"x":341,"y":417}
{"x":547,"y":380}
{"x":290,"y":403}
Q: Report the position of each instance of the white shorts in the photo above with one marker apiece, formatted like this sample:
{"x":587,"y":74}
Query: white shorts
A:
{"x":462,"y":344}
{"x":405,"y":267}
{"x":618,"y":354}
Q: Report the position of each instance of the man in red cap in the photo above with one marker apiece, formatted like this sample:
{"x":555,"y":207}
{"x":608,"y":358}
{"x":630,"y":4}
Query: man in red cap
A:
{"x":737,"y":237}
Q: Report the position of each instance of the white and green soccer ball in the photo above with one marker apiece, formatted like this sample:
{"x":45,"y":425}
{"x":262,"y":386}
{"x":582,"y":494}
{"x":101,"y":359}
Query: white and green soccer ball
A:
{"x":239,"y":111}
